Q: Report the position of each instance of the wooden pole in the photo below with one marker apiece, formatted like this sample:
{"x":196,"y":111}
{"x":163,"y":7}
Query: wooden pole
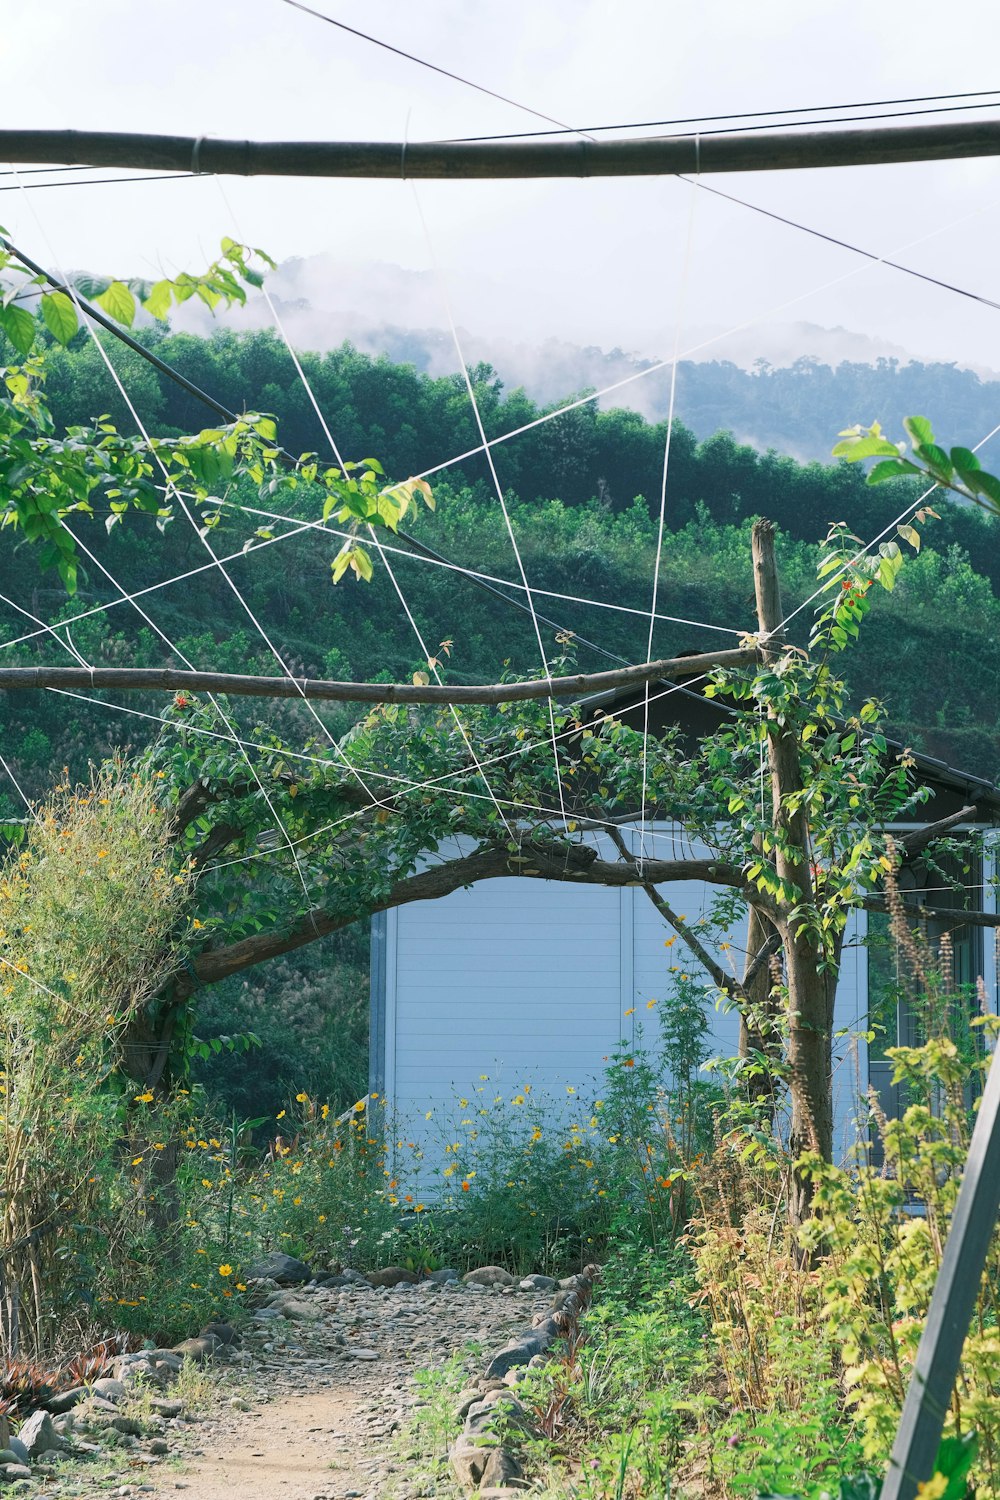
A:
{"x":953,"y":1302}
{"x":767,"y":151}
{"x":166,"y":679}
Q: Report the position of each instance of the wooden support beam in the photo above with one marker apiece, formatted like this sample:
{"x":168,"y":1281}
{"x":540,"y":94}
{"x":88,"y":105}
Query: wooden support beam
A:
{"x":167,"y":680}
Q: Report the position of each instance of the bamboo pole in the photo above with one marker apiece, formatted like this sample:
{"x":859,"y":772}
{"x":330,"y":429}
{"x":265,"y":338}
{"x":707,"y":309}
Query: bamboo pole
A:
{"x":767,"y":151}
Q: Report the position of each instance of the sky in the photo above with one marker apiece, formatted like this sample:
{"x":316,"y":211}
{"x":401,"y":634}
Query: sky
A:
{"x":649,"y":265}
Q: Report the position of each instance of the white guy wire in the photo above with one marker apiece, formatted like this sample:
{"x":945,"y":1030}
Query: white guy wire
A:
{"x":435,"y":783}
{"x":20,"y":790}
{"x":678,"y":325}
{"x":373,"y":535}
{"x":85,"y":320}
{"x":716,"y":338}
{"x":828,"y":582}
{"x":298,"y":527}
{"x":496,"y":482}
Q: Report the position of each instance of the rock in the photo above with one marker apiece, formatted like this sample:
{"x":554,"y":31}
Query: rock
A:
{"x":224,"y":1332}
{"x":500,"y":1468}
{"x":519,"y":1353}
{"x":165,"y":1408}
{"x":17,"y":1447}
{"x":37,"y":1434}
{"x":111,"y":1390}
{"x":392,"y":1276}
{"x":168,"y":1358}
{"x":284,"y":1269}
{"x":568,"y":1283}
{"x":446,"y":1274}
{"x":502,"y":1493}
{"x":488,"y":1276}
{"x":66,"y":1400}
{"x":296,"y":1310}
{"x":11,"y":1472}
{"x":538,"y":1283}
{"x":464,"y":1401}
{"x":199,"y":1350}
{"x":354,"y":1278}
{"x":332,"y":1279}
{"x":159,"y":1448}
{"x":363,"y":1353}
{"x":127,"y":1426}
{"x":8,"y":1456}
{"x":468,"y":1462}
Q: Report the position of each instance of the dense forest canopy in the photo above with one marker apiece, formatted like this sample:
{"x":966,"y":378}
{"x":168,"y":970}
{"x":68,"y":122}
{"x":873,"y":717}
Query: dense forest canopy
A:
{"x":584,"y":488}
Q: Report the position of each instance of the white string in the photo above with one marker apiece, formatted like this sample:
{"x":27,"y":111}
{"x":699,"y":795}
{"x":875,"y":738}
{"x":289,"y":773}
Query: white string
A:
{"x":496,"y":483}
{"x":437,"y":783}
{"x":321,"y":526}
{"x":372,"y":533}
{"x":845,"y":567}
{"x":716,"y":338}
{"x":87,"y":323}
{"x":67,"y":645}
{"x":678,"y":325}
{"x":20,"y":790}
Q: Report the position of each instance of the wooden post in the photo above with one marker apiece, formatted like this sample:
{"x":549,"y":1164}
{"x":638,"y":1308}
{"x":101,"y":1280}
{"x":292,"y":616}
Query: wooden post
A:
{"x":952,"y":1304}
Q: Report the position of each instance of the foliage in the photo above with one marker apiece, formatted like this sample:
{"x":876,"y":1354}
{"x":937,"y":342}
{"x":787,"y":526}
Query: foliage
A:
{"x":90,"y":907}
{"x":45,"y":478}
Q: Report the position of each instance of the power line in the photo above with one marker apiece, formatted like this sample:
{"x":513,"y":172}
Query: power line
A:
{"x":831,"y":239}
{"x":423,"y":63}
{"x":36,"y":187}
{"x":750,"y":114}
{"x":896,"y":114}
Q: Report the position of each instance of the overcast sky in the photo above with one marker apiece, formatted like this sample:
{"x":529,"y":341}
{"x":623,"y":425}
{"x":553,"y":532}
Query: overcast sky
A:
{"x":627,"y":263}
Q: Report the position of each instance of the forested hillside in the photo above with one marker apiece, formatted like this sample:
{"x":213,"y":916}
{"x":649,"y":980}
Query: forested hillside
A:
{"x":584,"y":493}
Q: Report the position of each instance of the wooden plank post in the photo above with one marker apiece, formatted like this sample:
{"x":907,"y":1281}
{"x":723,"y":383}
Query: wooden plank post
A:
{"x":952,"y":1304}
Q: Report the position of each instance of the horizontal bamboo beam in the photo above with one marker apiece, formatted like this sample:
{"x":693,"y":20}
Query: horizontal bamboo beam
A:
{"x":167,"y":680}
{"x":767,"y":151}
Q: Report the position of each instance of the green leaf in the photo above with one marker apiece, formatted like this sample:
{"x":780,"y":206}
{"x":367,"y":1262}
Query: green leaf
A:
{"x":60,"y":316}
{"x":91,"y":286}
{"x":965,"y":459}
{"x":918,"y":430}
{"x":954,"y":1460}
{"x":865,"y":447}
{"x":936,"y":460}
{"x":891,"y":468}
{"x":158,"y":301}
{"x":19,"y":326}
{"x":119,"y":303}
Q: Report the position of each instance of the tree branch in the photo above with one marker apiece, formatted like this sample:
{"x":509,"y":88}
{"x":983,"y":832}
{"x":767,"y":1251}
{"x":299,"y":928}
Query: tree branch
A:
{"x":918,"y":838}
{"x":555,"y":861}
{"x":167,"y":680}
{"x":950,"y":914}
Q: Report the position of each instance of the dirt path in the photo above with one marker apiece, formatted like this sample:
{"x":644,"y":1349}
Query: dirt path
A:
{"x":324,"y":1390}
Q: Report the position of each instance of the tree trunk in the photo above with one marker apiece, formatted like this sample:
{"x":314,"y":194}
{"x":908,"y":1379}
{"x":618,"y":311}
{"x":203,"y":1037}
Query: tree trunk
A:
{"x":811,"y":998}
{"x":810,"y":988}
{"x":760,"y":1032}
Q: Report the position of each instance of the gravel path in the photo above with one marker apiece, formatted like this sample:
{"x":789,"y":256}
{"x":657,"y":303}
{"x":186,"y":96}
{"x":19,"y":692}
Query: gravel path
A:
{"x":324,"y":1387}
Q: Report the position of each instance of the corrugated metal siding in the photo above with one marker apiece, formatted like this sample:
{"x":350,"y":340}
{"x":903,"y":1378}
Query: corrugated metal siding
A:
{"x":531,"y":982}
{"x":520,"y":979}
